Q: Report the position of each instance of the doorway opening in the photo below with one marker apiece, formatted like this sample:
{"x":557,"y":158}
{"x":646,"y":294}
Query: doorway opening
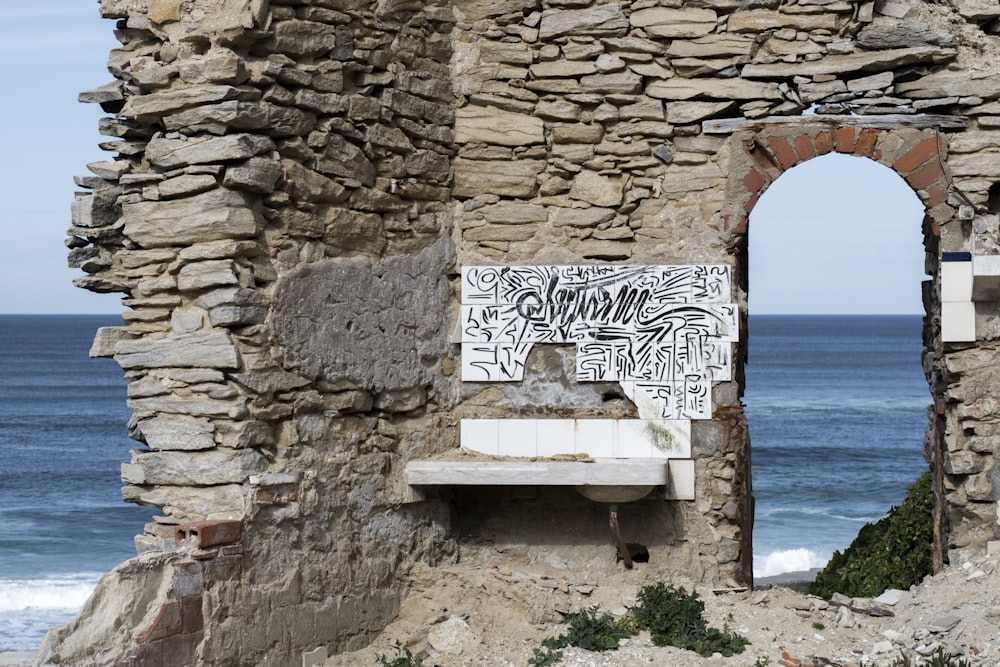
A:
{"x":835,"y":393}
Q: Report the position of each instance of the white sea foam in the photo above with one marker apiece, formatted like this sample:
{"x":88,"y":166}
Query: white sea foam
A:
{"x":52,"y":593}
{"x":787,"y":560}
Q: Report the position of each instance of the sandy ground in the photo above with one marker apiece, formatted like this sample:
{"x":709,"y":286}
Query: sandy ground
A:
{"x":492,"y":615}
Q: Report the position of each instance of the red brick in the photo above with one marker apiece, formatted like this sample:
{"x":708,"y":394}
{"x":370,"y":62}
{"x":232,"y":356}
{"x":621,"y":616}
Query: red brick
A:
{"x":824,"y":143}
{"x":920,"y":154}
{"x":167,"y":622}
{"x":763,"y":161}
{"x":926,"y":176}
{"x":754,"y":181}
{"x":750,"y":204}
{"x":804,"y":147}
{"x":783,"y":151}
{"x":202,"y":534}
{"x":845,"y":140}
{"x":866,"y":143}
{"x":935,"y":195}
{"x":192,"y":618}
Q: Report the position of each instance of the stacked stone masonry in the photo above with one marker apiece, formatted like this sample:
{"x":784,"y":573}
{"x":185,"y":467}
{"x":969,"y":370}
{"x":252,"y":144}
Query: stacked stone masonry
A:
{"x":293,"y":188}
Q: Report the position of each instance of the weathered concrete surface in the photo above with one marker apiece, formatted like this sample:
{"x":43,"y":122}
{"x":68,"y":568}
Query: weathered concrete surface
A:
{"x":378,"y":326}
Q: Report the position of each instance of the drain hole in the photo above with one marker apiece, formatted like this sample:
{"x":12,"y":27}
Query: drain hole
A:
{"x":639,"y":553}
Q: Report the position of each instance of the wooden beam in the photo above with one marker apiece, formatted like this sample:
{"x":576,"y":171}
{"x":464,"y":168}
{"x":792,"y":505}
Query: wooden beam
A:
{"x":882,"y":122}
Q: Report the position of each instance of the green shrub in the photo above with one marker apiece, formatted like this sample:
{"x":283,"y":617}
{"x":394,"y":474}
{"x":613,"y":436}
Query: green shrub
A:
{"x":894,"y":552}
{"x":544,"y":657}
{"x":675,"y":617}
{"x":940,"y":659}
{"x":590,"y":630}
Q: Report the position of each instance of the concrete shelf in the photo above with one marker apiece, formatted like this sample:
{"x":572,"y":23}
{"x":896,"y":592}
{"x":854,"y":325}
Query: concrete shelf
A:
{"x":677,"y":475}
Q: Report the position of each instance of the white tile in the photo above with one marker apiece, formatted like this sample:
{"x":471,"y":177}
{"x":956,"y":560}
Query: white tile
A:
{"x":681,"y":482}
{"x":518,"y":437}
{"x":729,"y":321}
{"x":984,"y":265}
{"x":479,"y":362}
{"x":512,"y":359}
{"x":956,"y":281}
{"x":493,"y":362}
{"x":501,"y":324}
{"x":632,"y":440}
{"x":595,"y":437}
{"x":480,"y":284}
{"x":718,"y":361}
{"x":597,"y":362}
{"x":555,"y":436}
{"x":713,"y":284}
{"x":675,"y":283}
{"x":697,"y":399}
{"x":671,"y":438}
{"x":525,"y":283}
{"x":654,"y":438}
{"x":472,"y":323}
{"x":655,"y":401}
{"x":958,"y":321}
{"x":480,"y":435}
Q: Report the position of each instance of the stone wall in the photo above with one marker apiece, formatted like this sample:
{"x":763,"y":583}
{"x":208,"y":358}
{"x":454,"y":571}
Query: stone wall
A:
{"x":296,"y":185}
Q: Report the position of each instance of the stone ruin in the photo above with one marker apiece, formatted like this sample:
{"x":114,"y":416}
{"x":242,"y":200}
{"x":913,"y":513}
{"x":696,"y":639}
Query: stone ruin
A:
{"x":386,"y":261}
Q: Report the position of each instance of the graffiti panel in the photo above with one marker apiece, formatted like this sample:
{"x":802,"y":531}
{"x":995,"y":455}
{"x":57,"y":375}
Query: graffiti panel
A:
{"x":663,"y":332}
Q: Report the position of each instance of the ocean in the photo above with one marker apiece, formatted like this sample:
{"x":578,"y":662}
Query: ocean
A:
{"x":836,"y":406}
{"x":62,"y":440}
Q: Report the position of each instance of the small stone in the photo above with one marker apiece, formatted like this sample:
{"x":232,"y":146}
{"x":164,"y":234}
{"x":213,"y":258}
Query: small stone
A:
{"x":891,"y":596}
{"x":944,"y":623}
{"x":893,"y":636}
{"x":598,"y":190}
{"x":663,"y":154}
{"x":927,"y":649}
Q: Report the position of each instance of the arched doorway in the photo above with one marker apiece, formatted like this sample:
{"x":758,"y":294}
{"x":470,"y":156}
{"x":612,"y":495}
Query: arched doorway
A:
{"x":836,"y":398}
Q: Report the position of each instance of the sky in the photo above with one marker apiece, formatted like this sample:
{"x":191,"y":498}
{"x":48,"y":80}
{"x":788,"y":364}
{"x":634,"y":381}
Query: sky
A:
{"x":49,"y":52}
{"x":814,"y":250}
{"x":803,"y":234}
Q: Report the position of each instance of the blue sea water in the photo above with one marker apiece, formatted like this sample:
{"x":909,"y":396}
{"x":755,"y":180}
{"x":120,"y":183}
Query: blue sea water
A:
{"x":62,"y":439}
{"x":836,"y":407}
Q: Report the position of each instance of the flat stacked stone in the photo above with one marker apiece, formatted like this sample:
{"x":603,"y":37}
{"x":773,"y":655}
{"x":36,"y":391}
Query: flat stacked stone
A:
{"x":296,"y":183}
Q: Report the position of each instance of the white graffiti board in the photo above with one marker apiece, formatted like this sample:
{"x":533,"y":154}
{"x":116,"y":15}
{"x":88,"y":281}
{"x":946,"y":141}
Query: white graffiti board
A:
{"x":664,"y":333}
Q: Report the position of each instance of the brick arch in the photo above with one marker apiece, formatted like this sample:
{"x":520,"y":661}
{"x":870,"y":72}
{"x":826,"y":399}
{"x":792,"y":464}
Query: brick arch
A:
{"x":761,"y":157}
